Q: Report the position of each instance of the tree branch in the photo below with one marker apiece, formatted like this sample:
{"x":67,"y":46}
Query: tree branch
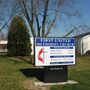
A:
{"x":32,"y":14}
{"x":25,"y":11}
{"x":6,"y":23}
{"x":71,"y":31}
{"x":38,"y":26}
{"x":44,"y":17}
{"x":54,"y":20}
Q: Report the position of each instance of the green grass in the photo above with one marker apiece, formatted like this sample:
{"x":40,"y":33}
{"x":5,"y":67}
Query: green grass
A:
{"x":11,"y":78}
{"x":80,"y":72}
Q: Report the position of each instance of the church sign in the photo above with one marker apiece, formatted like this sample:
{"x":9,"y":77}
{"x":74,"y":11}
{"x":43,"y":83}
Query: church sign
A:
{"x":54,"y":51}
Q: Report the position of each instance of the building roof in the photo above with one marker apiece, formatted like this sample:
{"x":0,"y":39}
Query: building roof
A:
{"x":82,"y":35}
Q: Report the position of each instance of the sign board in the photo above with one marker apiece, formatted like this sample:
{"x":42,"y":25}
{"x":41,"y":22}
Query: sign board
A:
{"x":54,"y":51}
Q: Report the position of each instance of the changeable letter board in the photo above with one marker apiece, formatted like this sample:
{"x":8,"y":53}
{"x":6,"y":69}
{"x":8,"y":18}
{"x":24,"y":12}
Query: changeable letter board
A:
{"x":54,"y":51}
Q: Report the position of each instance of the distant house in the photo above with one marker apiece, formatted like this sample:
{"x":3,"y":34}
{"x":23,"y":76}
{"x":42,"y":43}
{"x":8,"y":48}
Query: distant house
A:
{"x":83,"y":43}
{"x":3,"y":45}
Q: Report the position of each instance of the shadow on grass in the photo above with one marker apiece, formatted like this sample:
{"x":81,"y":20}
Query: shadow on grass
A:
{"x":18,"y":60}
{"x":30,"y":61}
{"x":33,"y":72}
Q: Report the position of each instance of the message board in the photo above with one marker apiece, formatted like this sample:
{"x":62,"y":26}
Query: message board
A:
{"x":54,"y":51}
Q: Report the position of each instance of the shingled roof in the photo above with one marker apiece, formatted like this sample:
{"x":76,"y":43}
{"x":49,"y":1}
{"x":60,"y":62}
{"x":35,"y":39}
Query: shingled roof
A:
{"x":82,"y":35}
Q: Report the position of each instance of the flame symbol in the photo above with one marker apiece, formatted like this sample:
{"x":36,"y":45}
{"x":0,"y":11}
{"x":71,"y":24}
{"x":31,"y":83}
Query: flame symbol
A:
{"x":39,"y":55}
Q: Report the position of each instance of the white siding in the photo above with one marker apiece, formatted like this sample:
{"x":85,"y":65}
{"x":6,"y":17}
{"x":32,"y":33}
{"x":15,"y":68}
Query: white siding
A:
{"x":86,"y":44}
{"x":5,"y":42}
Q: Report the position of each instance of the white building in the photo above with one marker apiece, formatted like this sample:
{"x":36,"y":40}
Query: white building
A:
{"x":83,"y":43}
{"x":3,"y":45}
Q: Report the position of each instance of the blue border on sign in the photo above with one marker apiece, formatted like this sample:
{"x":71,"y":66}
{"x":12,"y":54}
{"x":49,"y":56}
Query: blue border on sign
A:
{"x":46,"y":43}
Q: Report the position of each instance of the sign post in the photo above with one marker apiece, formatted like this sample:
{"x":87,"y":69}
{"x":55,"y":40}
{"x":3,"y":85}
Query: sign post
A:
{"x":54,"y":54}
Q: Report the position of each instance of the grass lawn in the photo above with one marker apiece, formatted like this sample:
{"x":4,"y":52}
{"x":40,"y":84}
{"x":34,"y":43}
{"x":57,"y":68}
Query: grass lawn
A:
{"x":11,"y":77}
{"x":80,"y":72}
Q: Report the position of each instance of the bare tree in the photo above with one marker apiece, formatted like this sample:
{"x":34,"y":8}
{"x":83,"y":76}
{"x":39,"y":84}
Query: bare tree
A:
{"x":42,"y":14}
{"x":77,"y":30}
{"x":8,"y":9}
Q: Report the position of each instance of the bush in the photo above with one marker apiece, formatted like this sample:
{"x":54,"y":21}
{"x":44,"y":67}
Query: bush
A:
{"x":18,"y":38}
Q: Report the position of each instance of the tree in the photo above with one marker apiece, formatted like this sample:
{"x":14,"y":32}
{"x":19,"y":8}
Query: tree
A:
{"x":42,"y":15}
{"x":8,"y":9}
{"x":18,"y":38}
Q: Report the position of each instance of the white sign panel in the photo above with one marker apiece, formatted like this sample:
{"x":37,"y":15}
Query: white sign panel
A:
{"x":54,"y":51}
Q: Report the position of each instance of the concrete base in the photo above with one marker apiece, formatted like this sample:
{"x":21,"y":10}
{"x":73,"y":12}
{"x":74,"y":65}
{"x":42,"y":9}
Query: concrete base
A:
{"x":59,"y":83}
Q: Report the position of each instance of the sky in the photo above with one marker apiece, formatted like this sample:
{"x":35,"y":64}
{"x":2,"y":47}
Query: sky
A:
{"x":84,"y":9}
{"x":66,"y":25}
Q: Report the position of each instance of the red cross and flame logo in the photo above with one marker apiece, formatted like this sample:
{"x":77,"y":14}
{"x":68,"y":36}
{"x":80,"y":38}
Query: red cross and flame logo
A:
{"x":40,"y":58}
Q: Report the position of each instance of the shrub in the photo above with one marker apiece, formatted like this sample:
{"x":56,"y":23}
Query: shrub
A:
{"x":18,"y":38}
